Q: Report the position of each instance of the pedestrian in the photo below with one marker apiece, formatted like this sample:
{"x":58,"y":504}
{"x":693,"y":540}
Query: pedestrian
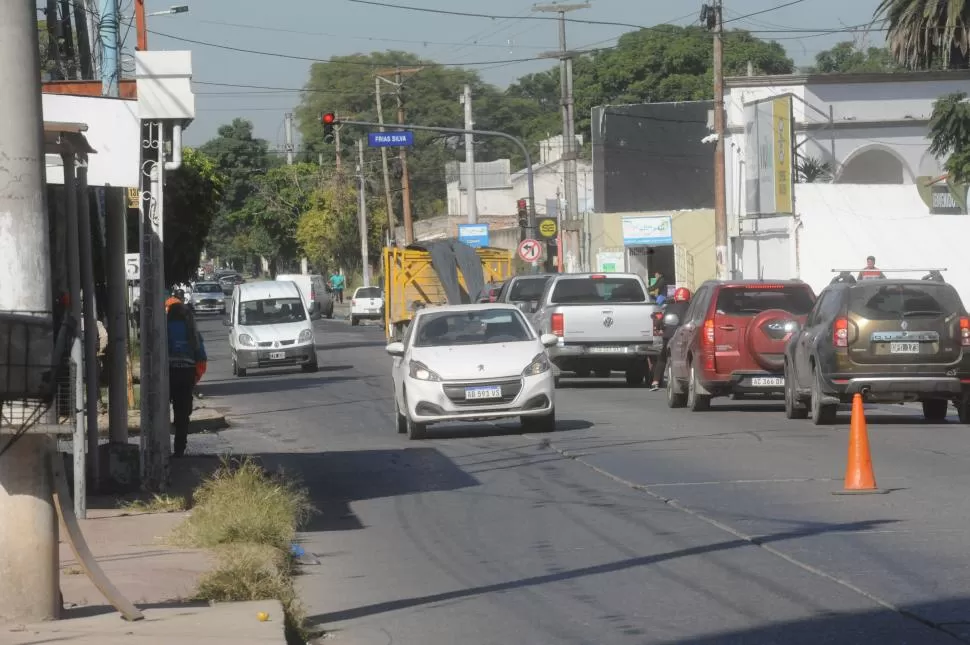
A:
{"x":337,"y":282}
{"x":677,"y":306}
{"x":870,"y":272}
{"x":187,"y":362}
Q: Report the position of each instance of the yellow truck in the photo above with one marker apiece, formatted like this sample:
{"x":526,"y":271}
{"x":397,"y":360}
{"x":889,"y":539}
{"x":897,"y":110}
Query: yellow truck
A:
{"x":428,"y":274}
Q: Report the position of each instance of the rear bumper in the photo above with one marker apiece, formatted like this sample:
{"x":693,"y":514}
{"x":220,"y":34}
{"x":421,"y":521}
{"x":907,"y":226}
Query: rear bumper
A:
{"x":941,"y":386}
{"x":617,"y":355}
{"x":745,"y":383}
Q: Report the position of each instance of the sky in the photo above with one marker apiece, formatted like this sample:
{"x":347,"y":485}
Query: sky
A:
{"x":319,"y":29}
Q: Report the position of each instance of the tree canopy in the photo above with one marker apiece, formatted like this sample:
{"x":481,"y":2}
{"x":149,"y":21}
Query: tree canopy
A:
{"x":193,"y":196}
{"x":924,"y":34}
{"x":847,"y":58}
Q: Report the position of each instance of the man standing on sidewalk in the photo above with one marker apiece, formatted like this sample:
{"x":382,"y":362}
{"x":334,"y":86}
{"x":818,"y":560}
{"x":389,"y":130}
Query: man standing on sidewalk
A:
{"x":337,"y":283}
{"x":186,"y":361}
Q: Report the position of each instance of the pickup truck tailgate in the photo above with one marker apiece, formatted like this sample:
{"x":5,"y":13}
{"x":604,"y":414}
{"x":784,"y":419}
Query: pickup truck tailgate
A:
{"x":606,"y":323}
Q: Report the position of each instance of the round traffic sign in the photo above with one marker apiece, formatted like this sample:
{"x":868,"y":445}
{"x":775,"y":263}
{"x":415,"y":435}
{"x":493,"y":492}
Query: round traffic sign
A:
{"x":548,"y":227}
{"x":529,"y":250}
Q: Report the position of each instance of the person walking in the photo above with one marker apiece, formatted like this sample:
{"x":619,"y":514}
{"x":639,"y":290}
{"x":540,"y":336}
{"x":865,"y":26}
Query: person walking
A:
{"x":677,"y":306}
{"x":337,"y":282}
{"x":187,"y":362}
{"x":870,"y":272}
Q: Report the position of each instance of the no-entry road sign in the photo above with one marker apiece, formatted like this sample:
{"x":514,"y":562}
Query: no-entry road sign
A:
{"x":530,"y":250}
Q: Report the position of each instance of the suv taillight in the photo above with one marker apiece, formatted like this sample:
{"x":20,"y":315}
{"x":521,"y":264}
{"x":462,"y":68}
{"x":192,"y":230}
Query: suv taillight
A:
{"x":840,"y":332}
{"x":707,"y":345}
{"x":708,"y":337}
{"x":965,"y":331}
{"x":558,"y":324}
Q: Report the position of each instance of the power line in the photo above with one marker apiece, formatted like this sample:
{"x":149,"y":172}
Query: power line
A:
{"x":768,"y":10}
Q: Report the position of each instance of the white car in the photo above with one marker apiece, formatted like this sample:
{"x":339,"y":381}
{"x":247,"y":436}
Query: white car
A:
{"x":367,"y":303}
{"x":472,"y":363}
{"x":269,"y":327}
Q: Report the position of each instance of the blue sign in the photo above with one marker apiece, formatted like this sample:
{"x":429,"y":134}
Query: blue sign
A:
{"x":474,"y":235}
{"x":390,"y":139}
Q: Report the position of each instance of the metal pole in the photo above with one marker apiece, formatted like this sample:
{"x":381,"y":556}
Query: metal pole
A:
{"x":28,"y":524}
{"x":116,"y":218}
{"x":470,"y":158}
{"x":720,"y":190}
{"x":92,"y":390}
{"x":391,"y":222}
{"x":288,"y":127}
{"x":79,"y":443}
{"x":362,"y":214}
{"x":110,"y":66}
{"x":405,"y":177}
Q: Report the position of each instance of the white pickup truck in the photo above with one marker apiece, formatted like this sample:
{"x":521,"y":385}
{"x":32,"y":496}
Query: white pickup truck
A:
{"x":604,"y":323}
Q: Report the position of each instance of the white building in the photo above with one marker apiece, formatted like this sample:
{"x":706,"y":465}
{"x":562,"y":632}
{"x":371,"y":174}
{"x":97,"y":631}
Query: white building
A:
{"x":497,"y":188}
{"x":871,"y":129}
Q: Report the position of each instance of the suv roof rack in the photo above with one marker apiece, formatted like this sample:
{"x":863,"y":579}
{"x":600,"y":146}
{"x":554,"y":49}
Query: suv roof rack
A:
{"x":847,"y":275}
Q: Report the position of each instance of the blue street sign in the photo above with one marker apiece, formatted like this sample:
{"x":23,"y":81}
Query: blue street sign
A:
{"x":390,"y":139}
{"x":474,"y":235}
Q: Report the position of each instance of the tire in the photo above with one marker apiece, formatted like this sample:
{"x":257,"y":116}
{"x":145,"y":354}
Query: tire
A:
{"x":822,"y":415}
{"x":545,"y":423}
{"x":794,"y":409}
{"x":935,"y":409}
{"x":402,"y":421}
{"x":635,"y":376}
{"x":675,"y":398}
{"x":555,"y":381}
{"x":582,"y":373}
{"x":312,"y":367}
{"x":330,"y":314}
{"x":416,"y":431}
{"x":353,"y":321}
{"x":696,"y":401}
{"x":603,"y":373}
{"x":963,"y":408}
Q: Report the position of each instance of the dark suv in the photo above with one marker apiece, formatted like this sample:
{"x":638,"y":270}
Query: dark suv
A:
{"x":891,"y":340}
{"x":732,"y":340}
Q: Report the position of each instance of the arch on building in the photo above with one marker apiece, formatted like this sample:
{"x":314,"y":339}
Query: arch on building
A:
{"x":874,"y":163}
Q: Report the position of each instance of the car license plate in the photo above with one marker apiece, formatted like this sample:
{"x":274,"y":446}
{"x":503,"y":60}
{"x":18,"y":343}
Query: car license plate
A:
{"x":767,"y":381}
{"x":275,"y":356}
{"x":608,"y":350}
{"x":904,"y":348}
{"x":475,"y":393}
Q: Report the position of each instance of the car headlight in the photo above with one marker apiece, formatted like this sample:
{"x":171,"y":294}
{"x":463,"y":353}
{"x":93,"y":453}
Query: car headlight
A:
{"x":246,"y":340}
{"x":421,"y":372}
{"x":538,"y":365}
{"x":305,"y":336}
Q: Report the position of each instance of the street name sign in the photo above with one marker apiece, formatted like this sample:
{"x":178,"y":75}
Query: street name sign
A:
{"x":390,"y":139}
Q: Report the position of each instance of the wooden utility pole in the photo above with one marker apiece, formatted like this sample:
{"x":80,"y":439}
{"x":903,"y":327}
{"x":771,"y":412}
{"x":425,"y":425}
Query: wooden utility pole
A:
{"x":336,"y":147}
{"x":140,"y":25}
{"x":399,"y":73}
{"x":712,"y":16}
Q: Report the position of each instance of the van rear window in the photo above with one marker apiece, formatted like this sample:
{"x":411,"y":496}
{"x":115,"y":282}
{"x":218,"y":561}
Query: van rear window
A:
{"x":527,"y":289}
{"x":880,"y":301}
{"x":751,"y":301}
{"x":587,"y":291}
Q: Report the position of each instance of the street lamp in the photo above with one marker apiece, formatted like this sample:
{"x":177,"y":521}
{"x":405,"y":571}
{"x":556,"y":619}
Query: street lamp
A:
{"x":171,"y":11}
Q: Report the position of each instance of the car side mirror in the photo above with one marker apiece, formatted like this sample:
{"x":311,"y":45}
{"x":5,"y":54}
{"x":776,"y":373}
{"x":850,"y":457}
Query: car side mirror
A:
{"x":548,"y":340}
{"x":395,"y":349}
{"x":672,"y":319}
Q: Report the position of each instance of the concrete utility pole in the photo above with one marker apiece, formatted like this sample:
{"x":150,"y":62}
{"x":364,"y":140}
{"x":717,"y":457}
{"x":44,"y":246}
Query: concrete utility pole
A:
{"x":288,"y":127}
{"x":569,"y":151}
{"x":398,"y":82}
{"x":110,"y":61}
{"x":85,"y":242}
{"x":362,"y":213}
{"x":28,"y":524}
{"x":713,"y":16}
{"x":336,"y":147}
{"x":391,"y":220}
{"x":470,"y":177}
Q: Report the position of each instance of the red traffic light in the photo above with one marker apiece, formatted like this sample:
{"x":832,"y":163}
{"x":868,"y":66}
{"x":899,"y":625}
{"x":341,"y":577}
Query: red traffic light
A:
{"x":328,"y":118}
{"x":521,"y":205}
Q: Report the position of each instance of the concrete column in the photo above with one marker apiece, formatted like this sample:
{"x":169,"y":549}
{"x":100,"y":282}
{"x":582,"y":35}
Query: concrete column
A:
{"x":115,"y":219}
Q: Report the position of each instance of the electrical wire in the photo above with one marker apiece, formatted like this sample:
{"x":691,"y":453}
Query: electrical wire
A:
{"x":790,"y":3}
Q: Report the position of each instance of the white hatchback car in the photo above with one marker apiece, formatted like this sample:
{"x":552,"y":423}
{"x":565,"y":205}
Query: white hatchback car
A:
{"x":269,"y":327}
{"x":472,"y":363}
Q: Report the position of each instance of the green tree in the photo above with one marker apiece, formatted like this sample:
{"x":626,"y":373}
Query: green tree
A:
{"x":927,"y":33}
{"x":329,"y":233}
{"x":846,"y":58}
{"x":193,"y":197}
{"x":950,"y":135}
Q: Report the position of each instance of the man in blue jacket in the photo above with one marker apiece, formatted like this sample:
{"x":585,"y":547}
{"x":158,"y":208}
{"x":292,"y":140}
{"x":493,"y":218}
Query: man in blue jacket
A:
{"x":185,"y":351}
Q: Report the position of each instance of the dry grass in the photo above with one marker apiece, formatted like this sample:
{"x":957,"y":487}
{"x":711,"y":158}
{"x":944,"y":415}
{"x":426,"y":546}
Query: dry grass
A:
{"x":157,"y":504}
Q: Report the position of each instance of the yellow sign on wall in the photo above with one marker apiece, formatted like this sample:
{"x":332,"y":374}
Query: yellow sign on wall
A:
{"x":133,"y":198}
{"x":781,"y":113}
{"x":769,"y":175}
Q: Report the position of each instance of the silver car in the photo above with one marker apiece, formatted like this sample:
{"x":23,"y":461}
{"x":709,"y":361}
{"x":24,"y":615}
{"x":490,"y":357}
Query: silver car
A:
{"x":207,"y":298}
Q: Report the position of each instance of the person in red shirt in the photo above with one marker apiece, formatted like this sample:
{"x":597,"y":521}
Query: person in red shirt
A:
{"x":870,"y":272}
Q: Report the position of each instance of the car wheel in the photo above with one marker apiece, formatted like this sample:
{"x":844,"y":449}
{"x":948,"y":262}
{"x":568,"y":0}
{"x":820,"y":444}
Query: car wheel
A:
{"x":330,"y":313}
{"x":696,"y":401}
{"x":555,"y":380}
{"x":635,"y":375}
{"x":402,"y":421}
{"x":544,"y":423}
{"x":675,"y":398}
{"x":415,"y":430}
{"x":582,"y":373}
{"x":312,"y":367}
{"x":603,"y":373}
{"x":353,"y":321}
{"x":822,"y":414}
{"x":794,"y":409}
{"x":935,"y":409}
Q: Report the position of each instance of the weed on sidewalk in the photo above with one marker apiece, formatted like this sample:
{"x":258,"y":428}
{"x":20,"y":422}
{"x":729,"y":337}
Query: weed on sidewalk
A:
{"x":250,"y":518}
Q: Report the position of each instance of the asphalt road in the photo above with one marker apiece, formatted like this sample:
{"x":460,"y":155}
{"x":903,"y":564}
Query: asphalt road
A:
{"x":632,"y":523}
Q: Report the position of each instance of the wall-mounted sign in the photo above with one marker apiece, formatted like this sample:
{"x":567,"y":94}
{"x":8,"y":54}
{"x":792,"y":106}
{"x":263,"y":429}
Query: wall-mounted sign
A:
{"x":548,"y":227}
{"x":474,"y":235}
{"x":610,"y":262}
{"x":769,"y":177}
{"x":943,"y":197}
{"x":133,"y":266}
{"x":133,"y":198}
{"x":648,"y":230}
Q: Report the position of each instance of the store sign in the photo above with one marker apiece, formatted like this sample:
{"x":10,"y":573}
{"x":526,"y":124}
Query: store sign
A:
{"x":652,"y":230}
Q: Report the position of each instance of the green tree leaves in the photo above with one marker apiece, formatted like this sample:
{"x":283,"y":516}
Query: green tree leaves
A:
{"x":193,"y":197}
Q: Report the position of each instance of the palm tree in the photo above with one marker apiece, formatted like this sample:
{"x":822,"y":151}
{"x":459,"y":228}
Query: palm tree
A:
{"x":927,"y":33}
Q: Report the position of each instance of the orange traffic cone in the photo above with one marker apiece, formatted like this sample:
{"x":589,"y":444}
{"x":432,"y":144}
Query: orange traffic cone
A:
{"x":859,"y":477}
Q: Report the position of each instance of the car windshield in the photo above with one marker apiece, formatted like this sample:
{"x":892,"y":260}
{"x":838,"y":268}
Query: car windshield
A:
{"x":207,"y":287}
{"x":527,"y":289}
{"x":751,"y":301}
{"x":589,"y":291}
{"x":475,"y":327}
{"x":273,"y":311}
{"x":368,"y":292}
{"x":880,"y":301}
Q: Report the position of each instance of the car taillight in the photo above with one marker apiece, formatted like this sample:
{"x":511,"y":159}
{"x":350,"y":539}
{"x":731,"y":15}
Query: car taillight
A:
{"x":707,"y":345}
{"x":708,"y":337}
{"x":965,"y":331}
{"x":558,"y":324}
{"x":840,"y":332}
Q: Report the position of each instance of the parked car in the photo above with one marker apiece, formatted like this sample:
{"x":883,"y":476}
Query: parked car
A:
{"x":317,"y":297}
{"x":732,"y":340}
{"x":469,"y":363}
{"x":269,"y":327}
{"x":367,"y":303}
{"x":603,"y":321}
{"x":207,"y":298}
{"x":229,"y":281}
{"x":524,"y":291}
{"x":891,"y":340}
{"x":490,"y":292}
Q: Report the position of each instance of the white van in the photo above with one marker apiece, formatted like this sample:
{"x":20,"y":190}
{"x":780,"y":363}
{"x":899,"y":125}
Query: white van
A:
{"x":269,"y":327}
{"x":316,"y":296}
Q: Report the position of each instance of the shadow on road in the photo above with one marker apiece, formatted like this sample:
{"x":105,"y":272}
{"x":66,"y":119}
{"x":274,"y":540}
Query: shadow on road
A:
{"x":354,"y":344}
{"x":264,"y":383}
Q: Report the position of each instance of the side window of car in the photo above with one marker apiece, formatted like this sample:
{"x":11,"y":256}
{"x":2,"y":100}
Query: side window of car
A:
{"x":830,"y":308}
{"x":815,"y":315}
{"x":697,"y":305}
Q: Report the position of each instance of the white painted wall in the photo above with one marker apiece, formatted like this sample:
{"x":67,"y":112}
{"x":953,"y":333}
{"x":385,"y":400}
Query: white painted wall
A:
{"x":548,"y":183}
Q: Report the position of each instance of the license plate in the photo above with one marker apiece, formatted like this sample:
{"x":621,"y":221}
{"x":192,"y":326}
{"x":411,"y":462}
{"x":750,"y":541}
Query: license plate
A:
{"x":275,"y":356}
{"x":904,"y":348}
{"x":608,"y":350}
{"x":768,"y":381}
{"x":475,"y":393}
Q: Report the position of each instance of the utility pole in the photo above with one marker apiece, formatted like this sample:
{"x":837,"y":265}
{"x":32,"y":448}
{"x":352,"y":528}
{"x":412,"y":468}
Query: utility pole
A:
{"x":391,"y":220}
{"x":398,"y":82}
{"x":336,"y":148}
{"x":288,"y":127}
{"x":362,"y":213}
{"x":28,"y":524}
{"x":140,"y":26}
{"x":569,"y":152}
{"x":110,"y":61}
{"x":712,"y":17}
{"x":470,"y":177}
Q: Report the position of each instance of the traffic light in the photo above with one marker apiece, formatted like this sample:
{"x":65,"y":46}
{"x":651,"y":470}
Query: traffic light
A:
{"x":523,"y":211}
{"x":328,"y":119}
